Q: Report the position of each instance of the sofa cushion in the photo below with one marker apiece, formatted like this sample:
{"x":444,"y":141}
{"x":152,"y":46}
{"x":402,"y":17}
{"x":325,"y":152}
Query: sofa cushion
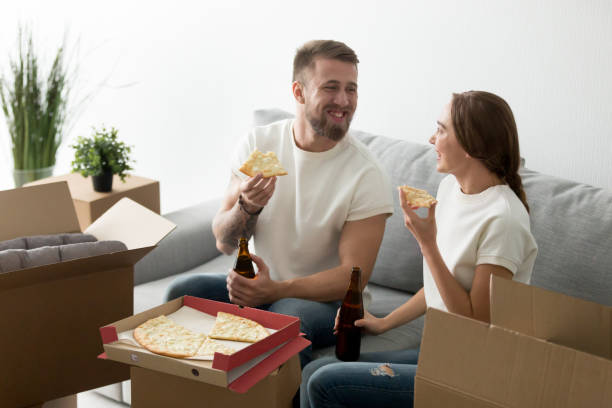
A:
{"x":192,"y":243}
{"x":399,"y":264}
{"x":572,"y":224}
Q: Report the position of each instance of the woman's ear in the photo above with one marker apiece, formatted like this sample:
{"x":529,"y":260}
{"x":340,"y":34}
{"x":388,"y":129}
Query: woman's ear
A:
{"x":298,"y":91}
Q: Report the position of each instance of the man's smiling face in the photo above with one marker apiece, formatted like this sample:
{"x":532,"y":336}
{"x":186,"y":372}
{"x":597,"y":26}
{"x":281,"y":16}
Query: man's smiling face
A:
{"x":330,"y":97}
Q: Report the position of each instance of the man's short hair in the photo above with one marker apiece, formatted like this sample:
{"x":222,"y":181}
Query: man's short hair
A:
{"x":329,"y":49}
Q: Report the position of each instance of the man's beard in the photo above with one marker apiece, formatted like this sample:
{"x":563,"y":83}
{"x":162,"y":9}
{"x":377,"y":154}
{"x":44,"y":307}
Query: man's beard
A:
{"x":324,"y":127}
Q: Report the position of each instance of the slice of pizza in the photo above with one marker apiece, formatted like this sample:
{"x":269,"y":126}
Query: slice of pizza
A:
{"x":231,"y":327}
{"x":210,"y":347}
{"x":264,"y":163}
{"x":417,"y":197}
{"x":163,"y":336}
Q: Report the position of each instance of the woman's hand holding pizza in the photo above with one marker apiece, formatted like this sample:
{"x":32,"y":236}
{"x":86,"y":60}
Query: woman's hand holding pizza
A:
{"x":423,"y":229}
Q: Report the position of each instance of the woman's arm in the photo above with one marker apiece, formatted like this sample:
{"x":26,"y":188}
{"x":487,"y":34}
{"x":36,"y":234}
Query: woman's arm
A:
{"x":473,"y":303}
{"x":413,"y":308}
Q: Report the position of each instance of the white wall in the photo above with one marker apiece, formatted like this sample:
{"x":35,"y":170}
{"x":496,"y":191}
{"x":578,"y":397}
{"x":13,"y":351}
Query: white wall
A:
{"x":180,"y":81}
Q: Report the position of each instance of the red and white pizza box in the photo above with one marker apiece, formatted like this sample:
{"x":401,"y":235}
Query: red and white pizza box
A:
{"x":238,"y":372}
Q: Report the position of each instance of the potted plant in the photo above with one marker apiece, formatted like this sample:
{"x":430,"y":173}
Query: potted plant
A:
{"x":101,"y":156}
{"x":35,"y":110}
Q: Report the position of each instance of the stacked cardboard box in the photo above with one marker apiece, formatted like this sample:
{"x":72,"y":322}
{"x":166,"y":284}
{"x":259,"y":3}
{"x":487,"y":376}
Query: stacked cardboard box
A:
{"x":90,"y":204}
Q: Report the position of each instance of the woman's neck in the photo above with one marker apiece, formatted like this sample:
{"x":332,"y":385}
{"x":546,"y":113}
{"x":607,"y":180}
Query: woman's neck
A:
{"x":477,"y":179}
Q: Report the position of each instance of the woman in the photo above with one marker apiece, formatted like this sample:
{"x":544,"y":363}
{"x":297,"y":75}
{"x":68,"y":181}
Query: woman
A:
{"x":478,"y":228}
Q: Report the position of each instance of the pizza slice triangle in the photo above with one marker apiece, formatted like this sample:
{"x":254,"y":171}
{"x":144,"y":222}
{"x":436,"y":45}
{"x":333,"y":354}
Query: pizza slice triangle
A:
{"x":231,"y":327}
{"x":162,"y":335}
{"x":265,"y":163}
{"x":417,"y":197}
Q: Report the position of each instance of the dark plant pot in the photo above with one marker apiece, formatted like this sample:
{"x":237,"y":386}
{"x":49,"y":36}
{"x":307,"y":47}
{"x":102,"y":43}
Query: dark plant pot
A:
{"x":103,"y":183}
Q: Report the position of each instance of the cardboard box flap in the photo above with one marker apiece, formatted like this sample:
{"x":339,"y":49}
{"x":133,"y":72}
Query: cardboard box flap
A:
{"x":131,"y":223}
{"x":508,"y":368}
{"x":68,"y":269}
{"x":37,"y":210}
{"x":552,"y":316}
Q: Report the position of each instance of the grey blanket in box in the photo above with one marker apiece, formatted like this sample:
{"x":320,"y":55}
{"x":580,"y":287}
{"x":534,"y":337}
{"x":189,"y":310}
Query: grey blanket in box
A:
{"x":28,"y":252}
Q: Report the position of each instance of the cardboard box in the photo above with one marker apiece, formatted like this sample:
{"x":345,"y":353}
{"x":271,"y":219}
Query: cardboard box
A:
{"x":90,"y":204}
{"x":153,"y":389}
{"x":238,"y":372}
{"x":50,"y":315}
{"x":542,"y":349}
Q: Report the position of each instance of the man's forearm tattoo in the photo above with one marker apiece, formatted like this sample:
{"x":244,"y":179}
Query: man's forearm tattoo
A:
{"x":240,"y":225}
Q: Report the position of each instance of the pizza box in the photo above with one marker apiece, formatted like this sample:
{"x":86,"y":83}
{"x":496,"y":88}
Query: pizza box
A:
{"x":238,"y":372}
{"x":50,"y":314}
{"x":541,"y":349}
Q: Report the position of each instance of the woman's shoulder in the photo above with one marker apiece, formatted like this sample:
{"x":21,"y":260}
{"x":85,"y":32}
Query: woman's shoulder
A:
{"x":507,"y":209}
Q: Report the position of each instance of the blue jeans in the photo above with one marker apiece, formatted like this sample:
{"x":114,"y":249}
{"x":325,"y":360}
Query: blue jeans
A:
{"x":383,"y":379}
{"x":316,"y":318}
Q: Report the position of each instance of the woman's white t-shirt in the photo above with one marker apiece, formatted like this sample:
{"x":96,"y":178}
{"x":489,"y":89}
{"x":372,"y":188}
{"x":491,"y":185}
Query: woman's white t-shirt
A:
{"x":491,"y":227}
{"x":298,"y":232}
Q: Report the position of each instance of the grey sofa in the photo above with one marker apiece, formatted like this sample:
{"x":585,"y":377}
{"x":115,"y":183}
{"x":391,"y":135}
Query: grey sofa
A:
{"x":572,"y":223}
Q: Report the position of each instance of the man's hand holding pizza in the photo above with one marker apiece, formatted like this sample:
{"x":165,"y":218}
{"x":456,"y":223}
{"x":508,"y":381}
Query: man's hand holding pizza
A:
{"x":253,"y":292}
{"x":262,"y":168}
{"x":256,"y":191}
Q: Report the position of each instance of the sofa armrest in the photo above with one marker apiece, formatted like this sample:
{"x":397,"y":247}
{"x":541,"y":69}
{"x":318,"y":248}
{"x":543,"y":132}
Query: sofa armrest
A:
{"x":192,"y":243}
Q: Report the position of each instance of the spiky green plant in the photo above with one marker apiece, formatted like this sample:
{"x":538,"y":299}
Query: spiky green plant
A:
{"x":35,"y":110}
{"x":100,"y":153}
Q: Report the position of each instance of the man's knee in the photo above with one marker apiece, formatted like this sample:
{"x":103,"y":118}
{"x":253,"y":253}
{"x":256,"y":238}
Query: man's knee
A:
{"x":174,"y":291}
{"x":203,"y":286}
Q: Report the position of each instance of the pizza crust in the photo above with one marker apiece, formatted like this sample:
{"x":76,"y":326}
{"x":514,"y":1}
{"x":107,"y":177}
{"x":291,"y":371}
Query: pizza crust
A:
{"x":231,"y":327}
{"x":265,"y":163}
{"x":417,"y":197}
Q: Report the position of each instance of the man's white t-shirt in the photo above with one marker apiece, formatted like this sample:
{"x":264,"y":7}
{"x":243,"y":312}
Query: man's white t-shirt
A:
{"x":298,"y":232}
{"x":491,"y":227}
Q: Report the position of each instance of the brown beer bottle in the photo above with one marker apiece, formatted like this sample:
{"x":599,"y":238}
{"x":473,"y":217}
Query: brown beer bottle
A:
{"x":348,"y":341}
{"x":244,"y":263}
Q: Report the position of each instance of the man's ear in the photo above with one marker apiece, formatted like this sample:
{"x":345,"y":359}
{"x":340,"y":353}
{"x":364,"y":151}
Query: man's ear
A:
{"x":298,"y":91}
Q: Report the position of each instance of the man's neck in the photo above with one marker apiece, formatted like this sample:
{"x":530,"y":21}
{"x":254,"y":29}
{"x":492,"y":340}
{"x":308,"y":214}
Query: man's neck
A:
{"x":307,"y":139}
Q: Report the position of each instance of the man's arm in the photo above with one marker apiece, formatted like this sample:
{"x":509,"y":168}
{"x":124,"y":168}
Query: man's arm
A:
{"x":233,"y":222}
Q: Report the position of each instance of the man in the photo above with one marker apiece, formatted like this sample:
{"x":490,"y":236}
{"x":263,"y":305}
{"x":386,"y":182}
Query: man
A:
{"x":313,"y":225}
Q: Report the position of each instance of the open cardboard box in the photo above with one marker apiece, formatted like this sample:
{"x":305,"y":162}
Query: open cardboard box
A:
{"x":238,"y":372}
{"x":542,"y":349}
{"x":50,"y":315}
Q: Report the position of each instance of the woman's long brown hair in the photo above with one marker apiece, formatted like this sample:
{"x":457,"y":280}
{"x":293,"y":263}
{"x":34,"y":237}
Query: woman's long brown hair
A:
{"x":485,"y":128}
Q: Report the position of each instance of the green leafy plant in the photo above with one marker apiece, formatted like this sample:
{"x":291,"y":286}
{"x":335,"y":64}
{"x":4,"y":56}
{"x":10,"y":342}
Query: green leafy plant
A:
{"x":101,"y":153}
{"x":35,"y":111}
